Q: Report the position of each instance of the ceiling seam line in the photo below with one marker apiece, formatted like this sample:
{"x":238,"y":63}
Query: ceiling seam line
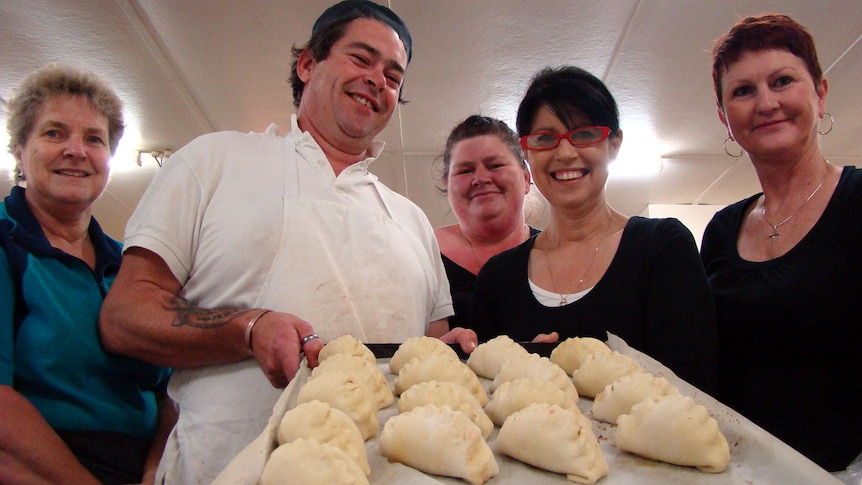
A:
{"x":403,"y":158}
{"x":697,"y":199}
{"x":146,"y":31}
{"x":621,"y":42}
{"x":842,"y":55}
{"x":401,"y":135}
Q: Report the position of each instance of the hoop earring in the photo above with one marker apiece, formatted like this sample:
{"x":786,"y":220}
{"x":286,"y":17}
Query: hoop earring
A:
{"x":831,"y":124}
{"x":731,"y":154}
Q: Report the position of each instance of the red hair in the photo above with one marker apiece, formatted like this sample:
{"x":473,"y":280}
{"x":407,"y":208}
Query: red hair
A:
{"x":761,"y":32}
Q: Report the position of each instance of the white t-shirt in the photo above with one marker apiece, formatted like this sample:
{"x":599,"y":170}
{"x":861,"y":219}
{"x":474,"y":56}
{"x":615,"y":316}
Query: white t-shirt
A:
{"x":261,"y":221}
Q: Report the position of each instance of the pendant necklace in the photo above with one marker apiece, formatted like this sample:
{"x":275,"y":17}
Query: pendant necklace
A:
{"x":564,"y":300}
{"x":775,"y":227}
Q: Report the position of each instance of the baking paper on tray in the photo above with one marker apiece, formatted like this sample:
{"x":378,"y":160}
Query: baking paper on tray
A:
{"x":756,"y":457}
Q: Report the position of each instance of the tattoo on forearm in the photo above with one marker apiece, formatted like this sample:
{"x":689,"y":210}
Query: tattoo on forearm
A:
{"x":188,"y":315}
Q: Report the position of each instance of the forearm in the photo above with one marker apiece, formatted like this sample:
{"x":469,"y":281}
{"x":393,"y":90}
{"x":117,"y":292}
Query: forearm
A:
{"x":142,"y":317}
{"x":168,"y":331}
{"x":30,"y":451}
{"x":438,"y":328}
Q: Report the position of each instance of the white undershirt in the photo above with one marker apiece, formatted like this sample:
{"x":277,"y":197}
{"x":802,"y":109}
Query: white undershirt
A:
{"x":552,"y":299}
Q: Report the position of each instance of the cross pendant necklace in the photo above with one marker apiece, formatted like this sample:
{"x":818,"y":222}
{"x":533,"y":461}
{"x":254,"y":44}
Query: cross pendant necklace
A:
{"x":774,"y":234}
{"x":775,"y":227}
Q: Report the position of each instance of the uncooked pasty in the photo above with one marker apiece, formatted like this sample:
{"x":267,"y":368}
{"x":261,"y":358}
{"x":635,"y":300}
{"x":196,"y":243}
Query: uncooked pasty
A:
{"x":599,"y":370}
{"x":319,"y":421}
{"x":419,"y":347}
{"x":674,"y":429}
{"x":570,"y":354}
{"x":514,"y":396}
{"x":366,"y":371}
{"x":552,"y":438}
{"x":439,"y":368}
{"x":449,"y":394}
{"x":308,"y":461}
{"x":619,"y":396}
{"x":347,"y":393}
{"x":441,"y":441}
{"x":534,"y":366}
{"x":486,"y":359}
{"x":346,"y":344}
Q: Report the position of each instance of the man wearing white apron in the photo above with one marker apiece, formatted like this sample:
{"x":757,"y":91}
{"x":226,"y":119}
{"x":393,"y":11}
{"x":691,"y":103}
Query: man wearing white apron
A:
{"x":253,"y":245}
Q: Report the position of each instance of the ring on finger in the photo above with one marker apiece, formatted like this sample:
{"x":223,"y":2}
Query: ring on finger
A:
{"x":308,"y":338}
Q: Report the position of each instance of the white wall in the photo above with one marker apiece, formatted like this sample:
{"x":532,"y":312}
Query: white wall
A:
{"x":695,"y":217}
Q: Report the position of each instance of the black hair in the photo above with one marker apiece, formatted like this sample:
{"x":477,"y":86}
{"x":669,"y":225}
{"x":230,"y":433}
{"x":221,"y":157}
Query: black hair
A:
{"x":332,"y":25}
{"x":568,"y":92}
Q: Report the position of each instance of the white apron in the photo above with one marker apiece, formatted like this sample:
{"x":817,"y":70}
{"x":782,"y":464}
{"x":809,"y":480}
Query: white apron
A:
{"x":344,"y":268}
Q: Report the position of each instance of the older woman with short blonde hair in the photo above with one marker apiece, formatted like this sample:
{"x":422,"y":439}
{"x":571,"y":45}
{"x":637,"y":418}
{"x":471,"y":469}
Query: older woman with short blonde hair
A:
{"x":72,"y":412}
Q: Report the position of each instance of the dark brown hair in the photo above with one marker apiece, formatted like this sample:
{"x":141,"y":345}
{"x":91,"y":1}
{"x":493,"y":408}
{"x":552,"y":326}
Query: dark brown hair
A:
{"x":478,"y":125}
{"x":332,"y":25}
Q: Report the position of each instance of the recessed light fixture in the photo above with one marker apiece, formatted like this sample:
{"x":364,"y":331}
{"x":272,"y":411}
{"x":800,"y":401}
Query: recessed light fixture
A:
{"x":640,"y":153}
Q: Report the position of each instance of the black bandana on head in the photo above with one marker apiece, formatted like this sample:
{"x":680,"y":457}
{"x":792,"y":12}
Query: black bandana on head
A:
{"x":366,"y":9}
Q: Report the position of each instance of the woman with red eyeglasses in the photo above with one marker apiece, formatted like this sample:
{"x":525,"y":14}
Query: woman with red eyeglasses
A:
{"x":594,"y":270}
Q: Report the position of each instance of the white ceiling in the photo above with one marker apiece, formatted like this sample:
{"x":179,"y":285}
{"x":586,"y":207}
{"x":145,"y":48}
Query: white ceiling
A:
{"x":187,"y":67}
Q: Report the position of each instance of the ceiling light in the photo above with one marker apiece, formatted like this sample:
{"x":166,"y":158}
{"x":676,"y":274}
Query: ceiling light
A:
{"x":640,"y":154}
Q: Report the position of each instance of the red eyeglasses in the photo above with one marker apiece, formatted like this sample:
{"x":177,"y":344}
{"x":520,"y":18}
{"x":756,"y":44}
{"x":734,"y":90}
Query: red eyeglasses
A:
{"x":581,"y":137}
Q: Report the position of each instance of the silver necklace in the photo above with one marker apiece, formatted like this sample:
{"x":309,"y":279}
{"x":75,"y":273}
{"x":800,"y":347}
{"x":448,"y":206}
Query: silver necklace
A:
{"x":564,"y":300}
{"x":775,"y":227}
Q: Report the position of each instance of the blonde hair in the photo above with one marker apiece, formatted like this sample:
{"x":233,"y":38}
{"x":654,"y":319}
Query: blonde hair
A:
{"x":57,"y":79}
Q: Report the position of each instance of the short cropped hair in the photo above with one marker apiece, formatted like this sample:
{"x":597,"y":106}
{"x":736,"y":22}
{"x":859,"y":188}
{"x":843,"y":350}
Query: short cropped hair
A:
{"x":332,"y":25}
{"x":761,"y":32}
{"x":53,"y":80}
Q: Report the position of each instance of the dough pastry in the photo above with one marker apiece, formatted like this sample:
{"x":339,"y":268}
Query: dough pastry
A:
{"x":599,"y":370}
{"x":438,"y":367}
{"x":441,"y":441}
{"x":618,"y":397}
{"x":570,"y":354}
{"x":486,"y":359}
{"x":552,"y":438}
{"x":674,"y":429}
{"x":347,"y":393}
{"x":513,"y":396}
{"x":346,"y":344}
{"x":366,"y":371}
{"x":534,"y":366}
{"x":419,"y":347}
{"x":308,"y":461}
{"x":323,"y":423}
{"x":449,"y":394}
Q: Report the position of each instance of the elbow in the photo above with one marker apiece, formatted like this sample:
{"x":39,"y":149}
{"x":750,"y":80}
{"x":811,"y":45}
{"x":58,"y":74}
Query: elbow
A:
{"x":109,"y":329}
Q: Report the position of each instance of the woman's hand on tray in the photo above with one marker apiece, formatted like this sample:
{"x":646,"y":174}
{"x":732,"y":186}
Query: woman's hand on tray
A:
{"x":547,"y":338}
{"x":464,"y":337}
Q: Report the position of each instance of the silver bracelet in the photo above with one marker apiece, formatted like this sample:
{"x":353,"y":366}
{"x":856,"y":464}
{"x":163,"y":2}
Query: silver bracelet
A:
{"x":250,"y":327}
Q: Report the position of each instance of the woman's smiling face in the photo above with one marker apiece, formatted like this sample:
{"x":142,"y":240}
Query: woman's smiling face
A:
{"x":485,"y":180}
{"x":567,"y":176}
{"x":66,"y":156}
{"x":771,"y":104}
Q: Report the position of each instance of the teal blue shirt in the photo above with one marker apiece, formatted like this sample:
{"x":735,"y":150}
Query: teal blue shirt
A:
{"x":50,"y":350}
